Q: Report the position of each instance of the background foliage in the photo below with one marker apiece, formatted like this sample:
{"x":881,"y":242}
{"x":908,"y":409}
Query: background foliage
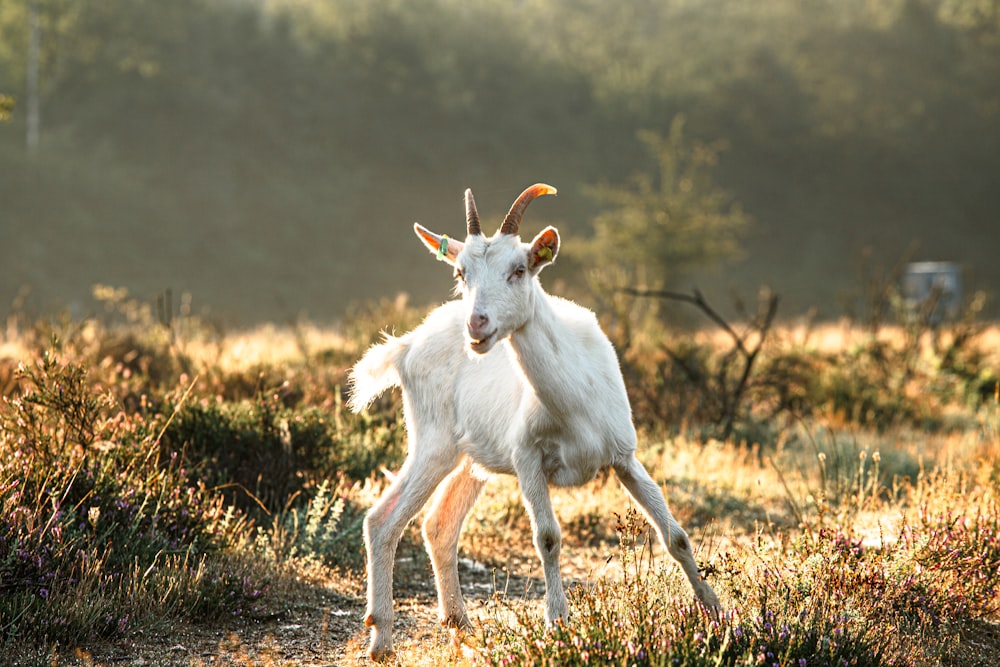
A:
{"x":257,"y":154}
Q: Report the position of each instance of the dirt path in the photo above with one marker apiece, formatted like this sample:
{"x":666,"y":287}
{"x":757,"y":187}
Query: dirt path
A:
{"x":316,"y":625}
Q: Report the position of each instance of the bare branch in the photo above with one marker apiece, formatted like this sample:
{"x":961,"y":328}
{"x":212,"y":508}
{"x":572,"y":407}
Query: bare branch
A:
{"x":730,"y":397}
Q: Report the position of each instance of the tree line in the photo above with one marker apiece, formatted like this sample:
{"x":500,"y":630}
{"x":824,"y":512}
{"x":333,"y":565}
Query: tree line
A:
{"x":267,"y":156}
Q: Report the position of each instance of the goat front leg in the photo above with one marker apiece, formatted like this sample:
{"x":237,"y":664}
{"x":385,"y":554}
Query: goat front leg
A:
{"x":545,"y":529}
{"x":452,"y":502}
{"x":384,"y":524}
{"x":650,"y":498}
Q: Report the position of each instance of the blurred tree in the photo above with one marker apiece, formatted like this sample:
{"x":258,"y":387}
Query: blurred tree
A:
{"x":281,"y":140}
{"x":34,"y":55}
{"x":6,"y":107}
{"x":980,"y":17}
{"x":661,"y":224}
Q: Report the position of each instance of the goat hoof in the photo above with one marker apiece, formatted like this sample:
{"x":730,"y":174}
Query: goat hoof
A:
{"x":456,"y":622}
{"x":710,"y":601}
{"x":380,"y":650}
{"x":380,"y":643}
{"x":381,"y":655}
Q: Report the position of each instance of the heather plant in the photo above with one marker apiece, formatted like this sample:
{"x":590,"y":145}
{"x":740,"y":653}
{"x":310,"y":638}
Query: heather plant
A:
{"x":57,"y":417}
{"x":645,"y":619}
{"x":824,"y":597}
{"x":99,"y":534}
{"x":262,"y":452}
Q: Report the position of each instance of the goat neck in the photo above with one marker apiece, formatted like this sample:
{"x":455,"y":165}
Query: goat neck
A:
{"x":555,"y":351}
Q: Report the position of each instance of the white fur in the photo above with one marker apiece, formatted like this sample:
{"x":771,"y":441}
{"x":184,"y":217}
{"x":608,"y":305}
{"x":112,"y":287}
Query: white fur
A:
{"x":511,"y":380}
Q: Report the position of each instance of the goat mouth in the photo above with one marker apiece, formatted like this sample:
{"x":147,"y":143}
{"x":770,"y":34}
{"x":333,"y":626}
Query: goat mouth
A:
{"x":482,"y":345}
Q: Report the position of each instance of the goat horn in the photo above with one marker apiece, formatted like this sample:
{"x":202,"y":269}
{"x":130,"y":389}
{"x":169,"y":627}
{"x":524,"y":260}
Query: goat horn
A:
{"x":471,"y":215}
{"x":513,"y":220}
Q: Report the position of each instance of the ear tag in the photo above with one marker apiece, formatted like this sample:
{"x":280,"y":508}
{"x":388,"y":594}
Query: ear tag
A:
{"x":443,"y":247}
{"x":545,"y":253}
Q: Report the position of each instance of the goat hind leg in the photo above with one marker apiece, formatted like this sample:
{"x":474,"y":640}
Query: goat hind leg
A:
{"x":383,"y":527}
{"x":650,"y":498}
{"x":442,"y":526}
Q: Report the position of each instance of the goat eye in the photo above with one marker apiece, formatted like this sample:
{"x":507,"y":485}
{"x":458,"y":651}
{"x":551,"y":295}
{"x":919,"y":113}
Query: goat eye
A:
{"x":518,"y":272}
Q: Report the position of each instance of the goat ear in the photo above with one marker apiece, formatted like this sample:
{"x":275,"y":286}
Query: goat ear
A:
{"x":544,"y":249}
{"x":445,"y":248}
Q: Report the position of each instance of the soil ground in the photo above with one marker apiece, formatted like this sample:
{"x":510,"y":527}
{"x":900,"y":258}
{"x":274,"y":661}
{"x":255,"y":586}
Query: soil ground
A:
{"x":319,"y":623}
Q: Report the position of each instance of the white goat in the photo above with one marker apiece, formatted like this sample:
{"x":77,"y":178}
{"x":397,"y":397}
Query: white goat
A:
{"x":508,"y":379}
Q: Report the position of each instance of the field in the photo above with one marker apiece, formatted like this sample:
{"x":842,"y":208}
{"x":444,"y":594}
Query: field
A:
{"x":175,"y":494}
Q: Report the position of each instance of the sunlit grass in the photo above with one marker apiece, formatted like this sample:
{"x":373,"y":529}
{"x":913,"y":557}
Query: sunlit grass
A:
{"x":870,"y":568}
{"x":830,"y":539}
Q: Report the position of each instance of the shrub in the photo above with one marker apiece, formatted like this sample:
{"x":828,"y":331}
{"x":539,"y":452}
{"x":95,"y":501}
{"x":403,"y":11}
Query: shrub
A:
{"x":262,"y":451}
{"x":325,"y":530}
{"x":822,"y":598}
{"x":99,"y":535}
{"x":643,"y":619}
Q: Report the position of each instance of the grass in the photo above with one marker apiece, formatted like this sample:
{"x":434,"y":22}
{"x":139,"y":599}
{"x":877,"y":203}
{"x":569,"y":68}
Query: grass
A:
{"x":848,"y":572}
{"x":170,"y":481}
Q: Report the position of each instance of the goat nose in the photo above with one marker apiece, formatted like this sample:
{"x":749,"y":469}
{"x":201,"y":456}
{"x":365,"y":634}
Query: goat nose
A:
{"x":478,"y":322}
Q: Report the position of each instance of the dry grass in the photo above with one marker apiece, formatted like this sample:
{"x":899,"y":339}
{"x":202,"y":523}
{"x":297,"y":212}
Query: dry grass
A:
{"x":747,"y":513}
{"x":915,"y":508}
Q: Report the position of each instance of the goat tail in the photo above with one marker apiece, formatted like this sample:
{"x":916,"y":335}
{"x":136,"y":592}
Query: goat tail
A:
{"x":375,"y":372}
